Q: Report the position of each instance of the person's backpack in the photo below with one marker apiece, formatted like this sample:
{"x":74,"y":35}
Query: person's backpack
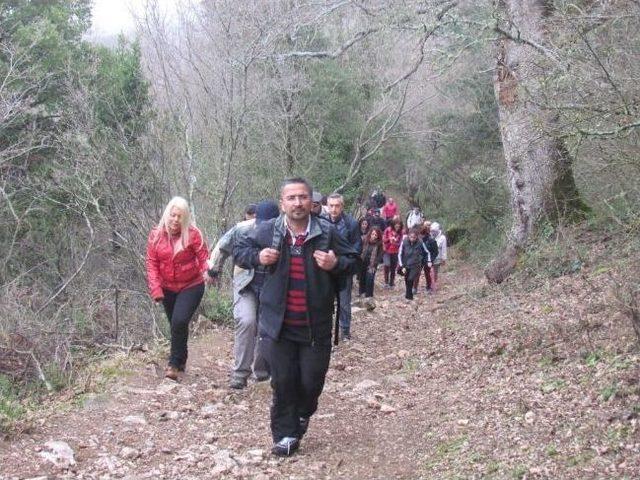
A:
{"x":414,"y":219}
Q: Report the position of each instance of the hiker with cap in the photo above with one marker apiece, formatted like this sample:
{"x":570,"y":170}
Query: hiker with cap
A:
{"x":305,"y":256}
{"x":246,"y":291}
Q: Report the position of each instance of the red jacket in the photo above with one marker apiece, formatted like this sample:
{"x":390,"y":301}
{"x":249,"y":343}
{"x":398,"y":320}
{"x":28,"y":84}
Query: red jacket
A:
{"x":391,"y":240}
{"x":175,"y":272}
{"x":390,"y":210}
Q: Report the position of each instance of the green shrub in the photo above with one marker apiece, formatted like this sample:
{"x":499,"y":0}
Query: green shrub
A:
{"x":217,"y":307}
{"x":10,"y":407}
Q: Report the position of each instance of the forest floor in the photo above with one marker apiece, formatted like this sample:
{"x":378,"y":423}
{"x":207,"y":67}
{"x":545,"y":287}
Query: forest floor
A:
{"x":532,"y":379}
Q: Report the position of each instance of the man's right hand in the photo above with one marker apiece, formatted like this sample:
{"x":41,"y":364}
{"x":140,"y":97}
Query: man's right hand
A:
{"x":268,"y":256}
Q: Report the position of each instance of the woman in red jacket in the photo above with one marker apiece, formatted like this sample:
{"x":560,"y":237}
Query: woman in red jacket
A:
{"x":176,"y":264}
{"x":391,"y":240}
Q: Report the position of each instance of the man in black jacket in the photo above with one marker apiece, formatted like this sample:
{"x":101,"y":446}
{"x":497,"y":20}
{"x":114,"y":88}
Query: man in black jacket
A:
{"x":346,"y":226}
{"x":305,"y":258}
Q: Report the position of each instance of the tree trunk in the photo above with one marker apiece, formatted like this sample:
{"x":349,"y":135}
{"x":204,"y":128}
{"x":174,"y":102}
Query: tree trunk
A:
{"x":541,"y":178}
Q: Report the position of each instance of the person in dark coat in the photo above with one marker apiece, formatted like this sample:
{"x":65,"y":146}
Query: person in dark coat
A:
{"x":432,"y":246}
{"x":375,"y":220}
{"x":346,"y":226}
{"x":306,"y":257}
{"x":411,"y":257}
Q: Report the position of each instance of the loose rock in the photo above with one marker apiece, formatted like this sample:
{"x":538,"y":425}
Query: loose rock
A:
{"x":134,"y":420}
{"x":129,"y":453}
{"x":59,"y":453}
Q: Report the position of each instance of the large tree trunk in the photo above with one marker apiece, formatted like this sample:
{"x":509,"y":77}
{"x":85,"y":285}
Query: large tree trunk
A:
{"x":540,"y":174}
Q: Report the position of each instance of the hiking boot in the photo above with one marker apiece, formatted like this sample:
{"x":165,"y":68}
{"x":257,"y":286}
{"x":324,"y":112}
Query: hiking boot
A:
{"x":237,"y":383}
{"x":304,"y":426}
{"x":286,"y":447}
{"x":171,"y":372}
{"x":370,"y":304}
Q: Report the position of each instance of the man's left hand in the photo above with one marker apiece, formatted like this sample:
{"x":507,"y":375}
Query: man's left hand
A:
{"x":325,"y":260}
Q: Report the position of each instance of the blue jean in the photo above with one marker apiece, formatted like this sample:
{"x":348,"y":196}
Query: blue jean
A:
{"x":345,"y":304}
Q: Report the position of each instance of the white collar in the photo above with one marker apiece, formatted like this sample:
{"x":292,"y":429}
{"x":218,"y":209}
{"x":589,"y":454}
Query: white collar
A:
{"x":292,"y":233}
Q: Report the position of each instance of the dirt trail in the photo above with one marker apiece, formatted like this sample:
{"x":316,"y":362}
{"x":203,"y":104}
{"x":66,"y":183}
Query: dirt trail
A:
{"x":472,"y":382}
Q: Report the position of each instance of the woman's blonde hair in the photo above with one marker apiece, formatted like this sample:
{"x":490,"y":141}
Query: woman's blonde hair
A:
{"x":181,"y":204}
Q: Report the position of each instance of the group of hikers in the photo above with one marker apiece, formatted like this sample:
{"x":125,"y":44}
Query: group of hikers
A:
{"x":293,"y":262}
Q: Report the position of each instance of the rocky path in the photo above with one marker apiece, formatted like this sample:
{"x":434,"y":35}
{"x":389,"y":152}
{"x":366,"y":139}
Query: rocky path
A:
{"x":469,"y":383}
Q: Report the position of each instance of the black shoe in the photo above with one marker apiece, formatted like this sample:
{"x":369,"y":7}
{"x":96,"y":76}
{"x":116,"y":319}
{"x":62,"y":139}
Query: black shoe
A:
{"x":304,"y":426}
{"x":286,"y":447}
{"x":238,"y":383}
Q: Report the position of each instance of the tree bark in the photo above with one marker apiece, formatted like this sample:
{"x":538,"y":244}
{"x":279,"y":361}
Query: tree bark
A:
{"x":541,"y":178}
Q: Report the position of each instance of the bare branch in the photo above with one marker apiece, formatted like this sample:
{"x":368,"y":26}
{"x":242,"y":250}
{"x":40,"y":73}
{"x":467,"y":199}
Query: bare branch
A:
{"x":421,"y":43}
{"x":610,"y":133}
{"x":327,"y":53}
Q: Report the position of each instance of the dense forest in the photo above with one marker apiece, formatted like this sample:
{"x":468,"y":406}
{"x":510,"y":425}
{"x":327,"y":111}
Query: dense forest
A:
{"x":505,"y":121}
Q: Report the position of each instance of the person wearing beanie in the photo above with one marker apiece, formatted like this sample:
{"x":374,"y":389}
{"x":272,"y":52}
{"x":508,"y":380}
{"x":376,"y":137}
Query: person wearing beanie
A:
{"x":440,"y":260}
{"x":246,"y":291}
{"x":316,"y":203}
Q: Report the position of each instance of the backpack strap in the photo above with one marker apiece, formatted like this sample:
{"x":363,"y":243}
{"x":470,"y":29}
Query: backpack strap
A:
{"x":276,"y":241}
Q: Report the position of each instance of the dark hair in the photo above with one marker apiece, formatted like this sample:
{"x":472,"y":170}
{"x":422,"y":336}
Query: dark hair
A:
{"x":414,"y":230}
{"x":395,"y":222}
{"x":292,"y":180}
{"x":361,"y":221}
{"x":378,"y":231}
{"x":251,"y":209}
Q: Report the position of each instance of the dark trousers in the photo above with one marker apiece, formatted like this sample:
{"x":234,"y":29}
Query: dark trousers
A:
{"x":366,"y":281}
{"x":362,"y":279}
{"x":390,"y":270}
{"x":297,"y":379}
{"x":369,"y":280}
{"x":180,"y":307}
{"x":427,"y":270}
{"x":409,"y":279}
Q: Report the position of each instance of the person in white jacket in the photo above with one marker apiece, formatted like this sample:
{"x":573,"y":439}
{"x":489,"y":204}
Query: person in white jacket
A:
{"x":441,"y":240}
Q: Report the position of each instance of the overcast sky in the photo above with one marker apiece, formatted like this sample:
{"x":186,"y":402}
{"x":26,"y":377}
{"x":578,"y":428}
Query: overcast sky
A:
{"x":112,"y":17}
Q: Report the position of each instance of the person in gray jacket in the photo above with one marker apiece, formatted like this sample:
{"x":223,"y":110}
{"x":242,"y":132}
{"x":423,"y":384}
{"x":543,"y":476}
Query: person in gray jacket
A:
{"x":246,"y":292}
